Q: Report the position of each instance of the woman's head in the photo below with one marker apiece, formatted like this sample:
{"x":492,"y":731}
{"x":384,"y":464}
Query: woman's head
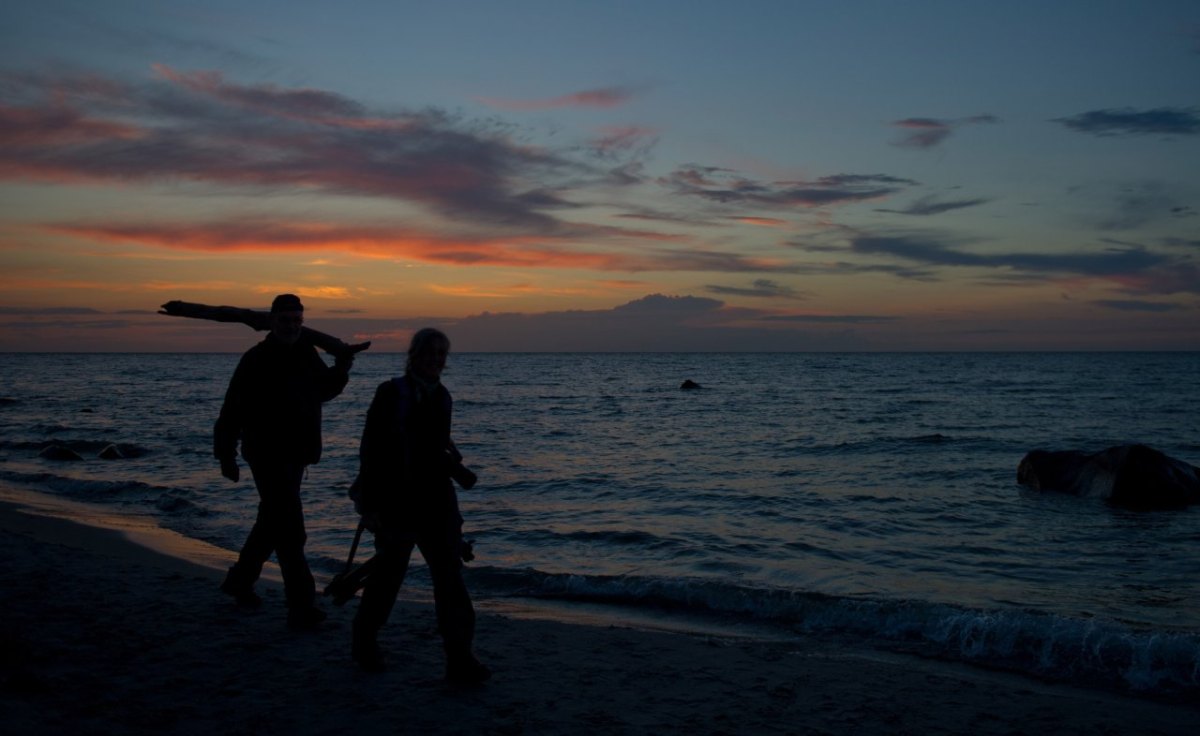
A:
{"x":427,"y":353}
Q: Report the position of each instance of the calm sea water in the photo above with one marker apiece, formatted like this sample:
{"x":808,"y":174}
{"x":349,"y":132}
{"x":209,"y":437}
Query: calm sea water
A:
{"x":869,"y":496}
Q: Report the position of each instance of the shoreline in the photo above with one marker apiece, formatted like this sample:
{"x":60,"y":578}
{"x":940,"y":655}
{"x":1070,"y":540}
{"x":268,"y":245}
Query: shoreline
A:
{"x":123,"y":630}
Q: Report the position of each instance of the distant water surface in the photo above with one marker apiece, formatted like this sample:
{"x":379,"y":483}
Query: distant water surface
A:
{"x":864,"y":495}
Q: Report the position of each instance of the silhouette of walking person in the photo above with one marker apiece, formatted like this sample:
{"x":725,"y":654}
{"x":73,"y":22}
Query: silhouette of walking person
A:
{"x":406,"y":498}
{"x":273,"y":406}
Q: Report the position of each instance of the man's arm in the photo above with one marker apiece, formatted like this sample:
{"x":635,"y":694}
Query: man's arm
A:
{"x":228,"y":428}
{"x":332,"y":380}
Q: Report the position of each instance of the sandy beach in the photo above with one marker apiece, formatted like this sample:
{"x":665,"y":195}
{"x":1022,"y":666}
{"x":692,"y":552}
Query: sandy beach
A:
{"x":115,"y":627}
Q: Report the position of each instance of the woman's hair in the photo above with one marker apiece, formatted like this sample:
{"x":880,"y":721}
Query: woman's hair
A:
{"x":424,"y":339}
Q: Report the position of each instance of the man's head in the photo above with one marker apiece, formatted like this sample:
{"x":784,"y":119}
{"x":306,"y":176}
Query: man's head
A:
{"x":287,"y":317}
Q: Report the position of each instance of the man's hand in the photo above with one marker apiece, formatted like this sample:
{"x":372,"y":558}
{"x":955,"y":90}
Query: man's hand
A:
{"x":229,"y":469}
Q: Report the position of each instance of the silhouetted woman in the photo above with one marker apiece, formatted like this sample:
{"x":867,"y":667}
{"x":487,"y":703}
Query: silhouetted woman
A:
{"x":406,"y":498}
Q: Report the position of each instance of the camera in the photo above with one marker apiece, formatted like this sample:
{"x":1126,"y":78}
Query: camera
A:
{"x":463,"y":476}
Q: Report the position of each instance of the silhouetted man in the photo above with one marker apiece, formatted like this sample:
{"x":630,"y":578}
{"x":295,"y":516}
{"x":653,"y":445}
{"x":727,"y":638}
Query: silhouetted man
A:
{"x":273,"y":405}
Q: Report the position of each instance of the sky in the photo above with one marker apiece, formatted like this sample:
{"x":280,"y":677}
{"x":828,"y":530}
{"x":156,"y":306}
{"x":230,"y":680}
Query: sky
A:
{"x":552,"y":175}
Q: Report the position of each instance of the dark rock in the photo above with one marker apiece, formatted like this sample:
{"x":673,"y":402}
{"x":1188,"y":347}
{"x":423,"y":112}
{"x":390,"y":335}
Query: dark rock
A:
{"x":689,"y":384}
{"x":1131,"y":476}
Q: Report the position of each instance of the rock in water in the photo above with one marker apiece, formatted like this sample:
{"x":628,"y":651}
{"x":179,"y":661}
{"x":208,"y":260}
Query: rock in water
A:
{"x":1131,"y":476}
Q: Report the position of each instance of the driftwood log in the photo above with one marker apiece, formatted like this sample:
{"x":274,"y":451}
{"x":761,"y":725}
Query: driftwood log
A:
{"x":259,"y":321}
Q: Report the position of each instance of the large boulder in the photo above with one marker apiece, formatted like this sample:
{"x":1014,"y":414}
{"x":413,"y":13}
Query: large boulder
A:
{"x":1131,"y":476}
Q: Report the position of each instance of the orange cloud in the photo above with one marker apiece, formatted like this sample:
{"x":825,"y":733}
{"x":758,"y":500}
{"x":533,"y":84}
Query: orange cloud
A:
{"x":468,"y":291}
{"x":188,"y":285}
{"x":621,"y":284}
{"x":316,"y":292}
{"x":35,"y":284}
{"x":385,"y":242}
{"x":762,"y":221}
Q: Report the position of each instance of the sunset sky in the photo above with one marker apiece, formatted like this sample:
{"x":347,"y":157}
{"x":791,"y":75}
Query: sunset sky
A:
{"x":558,"y":175}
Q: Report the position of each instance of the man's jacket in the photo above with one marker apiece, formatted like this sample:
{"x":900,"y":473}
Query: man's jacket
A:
{"x":273,"y":404}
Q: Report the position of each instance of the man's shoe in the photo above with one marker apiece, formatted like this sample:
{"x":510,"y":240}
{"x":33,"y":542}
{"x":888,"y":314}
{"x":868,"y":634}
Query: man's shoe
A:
{"x":305,"y":618}
{"x":466,"y":670}
{"x":243,"y":596}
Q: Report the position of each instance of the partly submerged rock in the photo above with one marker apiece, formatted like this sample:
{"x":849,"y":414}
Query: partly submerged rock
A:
{"x":689,"y":384}
{"x":1131,"y":476}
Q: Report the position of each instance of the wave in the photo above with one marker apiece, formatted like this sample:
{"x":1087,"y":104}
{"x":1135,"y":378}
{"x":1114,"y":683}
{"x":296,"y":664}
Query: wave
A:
{"x":85,"y":489}
{"x":1092,"y":652}
{"x":84,"y":448}
{"x":903,"y":443}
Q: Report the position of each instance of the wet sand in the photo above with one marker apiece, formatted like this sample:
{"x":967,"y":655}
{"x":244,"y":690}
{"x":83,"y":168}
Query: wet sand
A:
{"x":102,"y":634}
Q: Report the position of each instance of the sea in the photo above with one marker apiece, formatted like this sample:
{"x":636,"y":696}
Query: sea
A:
{"x":867,"y":499}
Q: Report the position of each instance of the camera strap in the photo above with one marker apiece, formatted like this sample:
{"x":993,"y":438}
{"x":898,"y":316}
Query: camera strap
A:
{"x":354,"y":545}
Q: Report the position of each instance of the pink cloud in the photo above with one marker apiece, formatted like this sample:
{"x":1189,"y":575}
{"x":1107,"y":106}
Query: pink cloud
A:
{"x":604,"y":97}
{"x":198,"y":127}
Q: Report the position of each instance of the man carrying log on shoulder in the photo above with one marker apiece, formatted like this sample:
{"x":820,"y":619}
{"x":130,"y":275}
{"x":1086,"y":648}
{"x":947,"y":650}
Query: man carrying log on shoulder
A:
{"x":273,"y":406}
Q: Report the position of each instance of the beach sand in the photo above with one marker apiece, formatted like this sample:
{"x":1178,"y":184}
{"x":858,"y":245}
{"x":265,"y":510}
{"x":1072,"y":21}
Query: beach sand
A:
{"x":101,"y":634}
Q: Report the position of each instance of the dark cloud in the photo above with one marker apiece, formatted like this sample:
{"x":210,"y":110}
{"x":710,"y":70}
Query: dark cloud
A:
{"x":1128,"y":121}
{"x":624,"y":142}
{"x":929,"y":250}
{"x":664,"y":304}
{"x":1179,"y":276}
{"x":1132,"y":305}
{"x":830,"y":318}
{"x":649,"y":215}
{"x":34,"y":311}
{"x":654,"y":323}
{"x":760,"y":288}
{"x":846,"y":268}
{"x":930,"y":132}
{"x":724,"y":186}
{"x":1181,"y":243}
{"x":1132,"y":269}
{"x":930,"y":206}
{"x":1135,"y":205}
